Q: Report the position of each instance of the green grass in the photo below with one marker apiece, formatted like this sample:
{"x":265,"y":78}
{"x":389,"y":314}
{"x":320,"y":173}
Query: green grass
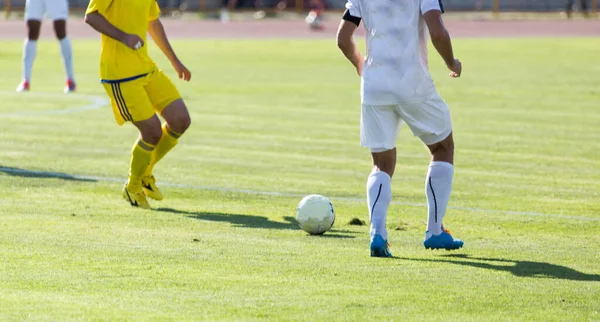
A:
{"x":283,"y":116}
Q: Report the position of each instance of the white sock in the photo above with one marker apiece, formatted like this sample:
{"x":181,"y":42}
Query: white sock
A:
{"x":438,"y":186}
{"x":67,"y":54}
{"x":29,"y":53}
{"x":379,"y":196}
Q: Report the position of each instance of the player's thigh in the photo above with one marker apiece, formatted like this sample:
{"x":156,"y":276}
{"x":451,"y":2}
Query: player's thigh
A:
{"x":129,"y":101}
{"x":379,"y":127}
{"x":34,"y":10}
{"x":161,"y":90}
{"x":429,"y":120}
{"x":57,"y":9}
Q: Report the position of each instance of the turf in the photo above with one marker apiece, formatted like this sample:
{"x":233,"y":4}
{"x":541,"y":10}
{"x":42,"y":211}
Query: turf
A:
{"x":275,"y":120}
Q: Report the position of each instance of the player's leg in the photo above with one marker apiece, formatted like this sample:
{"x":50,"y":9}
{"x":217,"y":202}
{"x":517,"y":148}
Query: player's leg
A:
{"x":58,"y":10}
{"x":141,"y":153}
{"x":438,"y":186}
{"x":315,"y":15}
{"x":130,"y":103}
{"x":177,"y":121}
{"x":226,"y":7}
{"x":168,"y":103}
{"x":34,"y":13}
{"x":379,"y":130}
{"x":569,"y":7}
{"x":431,"y":122}
{"x":584,"y":8}
{"x":60,"y":29}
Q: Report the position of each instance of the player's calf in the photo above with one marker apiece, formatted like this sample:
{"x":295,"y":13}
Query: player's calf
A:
{"x":438,"y":186}
{"x":379,"y":197}
{"x":29,"y":53}
{"x":178,"y":121}
{"x":60,"y":29}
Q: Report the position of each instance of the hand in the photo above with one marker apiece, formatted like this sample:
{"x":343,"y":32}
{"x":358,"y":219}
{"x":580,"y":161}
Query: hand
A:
{"x":133,"y":41}
{"x":182,"y":71}
{"x":455,"y":68}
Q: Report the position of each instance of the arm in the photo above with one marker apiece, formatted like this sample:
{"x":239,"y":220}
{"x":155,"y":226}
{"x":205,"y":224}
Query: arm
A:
{"x":158,"y":34}
{"x":441,"y":40}
{"x":98,"y":22}
{"x":347,"y":45}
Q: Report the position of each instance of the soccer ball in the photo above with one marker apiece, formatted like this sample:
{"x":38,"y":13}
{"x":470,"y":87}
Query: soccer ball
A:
{"x":315,"y":214}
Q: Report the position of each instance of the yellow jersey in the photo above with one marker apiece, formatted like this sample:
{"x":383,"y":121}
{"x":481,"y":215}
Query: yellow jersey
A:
{"x":119,"y":62}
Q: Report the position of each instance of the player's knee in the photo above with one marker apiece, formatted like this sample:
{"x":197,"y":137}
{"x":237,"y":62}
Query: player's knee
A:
{"x":33,"y":34}
{"x":60,"y":29}
{"x":152,"y":136}
{"x":384,"y":160}
{"x":181,"y":123}
{"x":186,"y":121}
{"x":33,"y":29}
{"x":444,"y":150}
{"x":60,"y":34}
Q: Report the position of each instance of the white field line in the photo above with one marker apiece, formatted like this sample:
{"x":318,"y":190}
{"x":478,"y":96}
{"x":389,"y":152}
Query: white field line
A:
{"x":96,"y":102}
{"x":283,"y":194}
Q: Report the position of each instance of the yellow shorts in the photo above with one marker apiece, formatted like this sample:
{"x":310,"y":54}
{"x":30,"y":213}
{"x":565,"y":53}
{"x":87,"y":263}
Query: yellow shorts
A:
{"x":138,"y":98}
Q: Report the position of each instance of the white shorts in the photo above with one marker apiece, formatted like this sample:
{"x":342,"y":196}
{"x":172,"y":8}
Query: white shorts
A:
{"x":54,"y":9}
{"x":380,"y":124}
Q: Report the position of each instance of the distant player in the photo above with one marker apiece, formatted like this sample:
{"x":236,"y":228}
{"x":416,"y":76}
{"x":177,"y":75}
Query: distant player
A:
{"x":137,"y":88}
{"x":315,"y":15}
{"x":583,"y":6}
{"x":58,"y":11}
{"x":397,"y":88}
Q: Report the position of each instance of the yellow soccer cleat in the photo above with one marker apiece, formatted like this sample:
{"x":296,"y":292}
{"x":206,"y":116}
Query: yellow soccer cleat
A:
{"x":150,"y":188}
{"x":136,"y":199}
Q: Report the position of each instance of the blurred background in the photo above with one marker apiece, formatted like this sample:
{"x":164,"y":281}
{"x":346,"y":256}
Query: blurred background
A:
{"x":259,"y":9}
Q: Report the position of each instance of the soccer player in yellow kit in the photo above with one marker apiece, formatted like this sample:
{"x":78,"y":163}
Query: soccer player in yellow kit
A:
{"x":138,"y":89}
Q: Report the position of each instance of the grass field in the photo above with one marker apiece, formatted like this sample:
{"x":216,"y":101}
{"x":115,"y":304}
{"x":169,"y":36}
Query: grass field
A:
{"x":281,"y":117}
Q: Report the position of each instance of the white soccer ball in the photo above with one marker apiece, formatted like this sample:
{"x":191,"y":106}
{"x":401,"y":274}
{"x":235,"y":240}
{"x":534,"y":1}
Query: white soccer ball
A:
{"x":315,"y":214}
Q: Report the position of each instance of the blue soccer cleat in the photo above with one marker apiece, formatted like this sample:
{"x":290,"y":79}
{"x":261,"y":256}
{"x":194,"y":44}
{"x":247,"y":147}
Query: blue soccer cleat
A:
{"x":443,"y":241}
{"x":380,"y":247}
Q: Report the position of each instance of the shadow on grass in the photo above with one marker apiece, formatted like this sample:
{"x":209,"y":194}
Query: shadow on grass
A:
{"x":248,"y":221}
{"x":518,"y":268}
{"x":18,"y":172}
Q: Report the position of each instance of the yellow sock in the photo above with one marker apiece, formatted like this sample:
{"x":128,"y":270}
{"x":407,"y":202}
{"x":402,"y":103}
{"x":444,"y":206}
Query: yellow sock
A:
{"x":167,"y":142}
{"x":140,"y":158}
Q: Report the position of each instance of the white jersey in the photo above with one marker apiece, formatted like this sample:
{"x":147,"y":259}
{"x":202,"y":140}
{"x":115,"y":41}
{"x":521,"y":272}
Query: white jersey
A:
{"x":395,"y":68}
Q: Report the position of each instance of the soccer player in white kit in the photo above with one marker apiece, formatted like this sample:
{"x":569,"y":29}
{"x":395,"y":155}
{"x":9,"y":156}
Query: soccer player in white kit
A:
{"x":397,"y":88}
{"x":58,"y":12}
